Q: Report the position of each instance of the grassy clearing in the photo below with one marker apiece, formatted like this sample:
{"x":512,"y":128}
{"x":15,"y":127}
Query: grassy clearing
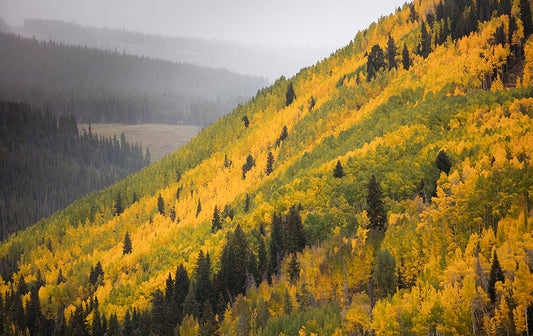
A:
{"x":161,"y":139}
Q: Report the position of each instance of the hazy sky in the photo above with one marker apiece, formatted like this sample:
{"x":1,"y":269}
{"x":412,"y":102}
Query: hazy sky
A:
{"x":315,"y":23}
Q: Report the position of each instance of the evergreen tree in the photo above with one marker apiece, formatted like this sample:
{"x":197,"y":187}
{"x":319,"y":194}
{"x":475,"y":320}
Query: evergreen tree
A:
{"x":19,"y":317}
{"x":247,"y":166}
{"x":247,"y":203}
{"x":96,"y":273}
{"x":161,"y":205}
{"x":126,"y":246}
{"x":181,"y":289}
{"x":262,"y":256}
{"x":443,"y":162}
{"x":391,"y":53}
{"x":204,"y":286}
{"x":289,"y":95}
{"x":169,"y":289}
{"x":376,"y":213}
{"x":118,"y":208}
{"x":96,"y":327}
{"x":33,"y":311}
{"x":504,"y":7}
{"x":128,"y":329}
{"x":270,"y":163}
{"x":384,"y":275}
{"x":425,"y":41}
{"x":114,"y":326}
{"x":375,"y":62}
{"x":198,"y":208}
{"x":78,"y":324}
{"x":293,"y":268}
{"x":276,"y":244}
{"x":246,"y":121}
{"x":338,"y":172}
{"x":406,"y":61}
{"x":207,"y":321}
{"x":525,"y":16}
{"x":190,"y":306}
{"x":231,"y":278}
{"x":294,"y":234}
{"x":496,"y":274}
{"x":216,"y":222}
{"x":60,"y":277}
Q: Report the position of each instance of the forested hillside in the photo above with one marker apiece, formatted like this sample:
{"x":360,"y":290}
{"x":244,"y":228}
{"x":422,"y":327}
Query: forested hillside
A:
{"x":111,"y":87}
{"x":255,"y":60}
{"x":386,"y":190}
{"x":45,"y":164}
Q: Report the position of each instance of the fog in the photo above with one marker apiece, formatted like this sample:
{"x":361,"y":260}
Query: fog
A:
{"x":303,"y":23}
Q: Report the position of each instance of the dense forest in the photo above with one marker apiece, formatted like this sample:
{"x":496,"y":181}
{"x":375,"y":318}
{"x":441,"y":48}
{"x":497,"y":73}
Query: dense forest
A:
{"x":112,"y":87}
{"x":46,"y":165}
{"x":386,"y":190}
{"x":263,"y":61}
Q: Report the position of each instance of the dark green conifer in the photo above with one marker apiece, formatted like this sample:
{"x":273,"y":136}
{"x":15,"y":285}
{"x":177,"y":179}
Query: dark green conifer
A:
{"x":391,"y":53}
{"x":496,"y":274}
{"x":294,"y":234}
{"x":276,"y":244}
{"x":126,"y":246}
{"x":118,"y":208}
{"x":198,"y":208}
{"x":425,"y":41}
{"x":169,"y":288}
{"x":216,"y":222}
{"x":204,"y":284}
{"x":161,"y":205}
{"x":181,"y":289}
{"x":338,"y":172}
{"x":247,"y":203}
{"x":289,"y":95}
{"x":33,"y":311}
{"x":246,"y":121}
{"x":262,"y":257}
{"x":443,"y":162}
{"x":406,"y":60}
{"x":293,"y":268}
{"x":375,"y":62}
{"x":270,"y":163}
{"x":525,"y":16}
{"x":376,"y":213}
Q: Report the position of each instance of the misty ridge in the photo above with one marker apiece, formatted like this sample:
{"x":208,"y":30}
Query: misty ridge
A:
{"x":113,"y":87}
{"x":256,"y":60}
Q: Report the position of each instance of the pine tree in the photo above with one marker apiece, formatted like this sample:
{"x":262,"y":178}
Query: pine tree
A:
{"x":169,"y":288}
{"x":118,"y":208}
{"x":270,"y":163}
{"x":276,"y":244}
{"x":246,"y":121}
{"x":496,"y":274}
{"x":78,"y":324}
{"x":247,"y":166}
{"x":126,"y":246}
{"x":181,"y":289}
{"x":391,"y":53}
{"x":293,"y":268}
{"x":294,"y":235}
{"x":376,"y":213}
{"x":247,"y":203}
{"x":96,"y":327}
{"x":289,"y":95}
{"x":161,"y":205}
{"x":425,"y":41}
{"x":128,"y":325}
{"x":216,"y":222}
{"x":338,"y":172}
{"x":443,"y":162}
{"x":33,"y":311}
{"x":262,"y":256}
{"x":406,"y":61}
{"x":198,"y":208}
{"x":207,"y":321}
{"x":525,"y":16}
{"x":204,"y":285}
{"x":375,"y":61}
{"x":60,"y":277}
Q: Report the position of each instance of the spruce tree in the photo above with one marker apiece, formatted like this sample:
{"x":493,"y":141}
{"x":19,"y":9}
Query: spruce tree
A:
{"x":496,"y":274}
{"x":391,"y":53}
{"x":425,"y":41}
{"x":376,"y":213}
{"x":276,"y":244}
{"x":246,"y":121}
{"x":270,"y":163}
{"x":128,"y":328}
{"x":198,"y":208}
{"x":247,"y":166}
{"x":262,"y":257}
{"x":406,"y":61}
{"x":293,"y":268}
{"x":181,"y":289}
{"x":161,"y":205}
{"x":169,"y":288}
{"x":247,"y":203}
{"x":118,"y":208}
{"x":294,"y":235}
{"x":443,"y":162}
{"x":525,"y":16}
{"x":216,"y":222}
{"x":33,"y":311}
{"x":204,"y":285}
{"x":375,"y":61}
{"x":338,"y":172}
{"x":126,"y":246}
{"x":289,"y":95}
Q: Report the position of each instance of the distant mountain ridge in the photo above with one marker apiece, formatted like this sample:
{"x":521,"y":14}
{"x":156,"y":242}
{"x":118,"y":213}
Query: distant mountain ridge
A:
{"x":262,"y":61}
{"x":107,"y":86}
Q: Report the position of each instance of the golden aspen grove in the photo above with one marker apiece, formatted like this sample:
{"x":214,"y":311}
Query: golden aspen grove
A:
{"x":386,"y":190}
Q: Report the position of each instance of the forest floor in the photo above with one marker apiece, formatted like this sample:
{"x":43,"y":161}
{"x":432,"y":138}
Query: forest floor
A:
{"x":161,"y":139}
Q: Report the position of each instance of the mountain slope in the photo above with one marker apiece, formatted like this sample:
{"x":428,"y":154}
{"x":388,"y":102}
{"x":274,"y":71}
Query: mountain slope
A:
{"x":452,"y":160}
{"x":103,"y":86}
